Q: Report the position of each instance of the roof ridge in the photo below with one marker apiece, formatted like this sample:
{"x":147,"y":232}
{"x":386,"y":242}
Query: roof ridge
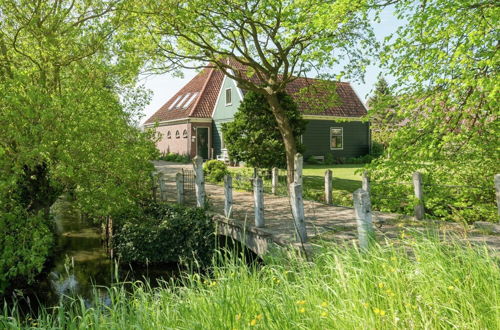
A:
{"x":201,"y":92}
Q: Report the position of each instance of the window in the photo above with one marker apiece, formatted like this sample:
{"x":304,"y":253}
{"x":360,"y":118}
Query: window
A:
{"x":228,"y":96}
{"x":190,"y":100}
{"x":175,"y":102}
{"x":177,"y":135}
{"x":169,"y":135}
{"x":336,"y":138}
{"x":185,"y":134}
{"x":184,"y":98}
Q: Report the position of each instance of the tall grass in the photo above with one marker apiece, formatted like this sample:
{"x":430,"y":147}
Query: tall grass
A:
{"x":420,"y":283}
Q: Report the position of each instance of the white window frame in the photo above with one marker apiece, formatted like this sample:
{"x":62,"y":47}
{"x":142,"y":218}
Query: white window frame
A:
{"x":342,"y":135}
{"x":175,"y":102}
{"x":230,"y":96}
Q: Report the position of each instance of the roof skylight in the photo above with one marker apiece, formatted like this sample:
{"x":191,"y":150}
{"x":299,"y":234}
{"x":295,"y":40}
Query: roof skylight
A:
{"x":190,"y":100}
{"x":175,"y":102}
{"x":184,"y":98}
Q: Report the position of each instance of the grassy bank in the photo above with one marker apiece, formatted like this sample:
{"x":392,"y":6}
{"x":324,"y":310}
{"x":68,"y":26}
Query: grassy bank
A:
{"x":417,"y":283}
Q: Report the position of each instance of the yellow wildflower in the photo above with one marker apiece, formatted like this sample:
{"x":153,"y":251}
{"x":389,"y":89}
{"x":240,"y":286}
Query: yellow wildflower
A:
{"x":403,"y":235}
{"x":238,"y":317}
{"x":300,"y":302}
{"x":253,"y":322}
{"x":365,"y":304}
{"x":450,"y":287}
{"x":393,"y":258}
{"x":324,"y":314}
{"x":302,"y":310}
{"x":259,"y":317}
{"x":456,"y":280}
{"x":324,"y":304}
{"x":381,"y":285}
{"x":376,"y":310}
{"x":382,"y":312}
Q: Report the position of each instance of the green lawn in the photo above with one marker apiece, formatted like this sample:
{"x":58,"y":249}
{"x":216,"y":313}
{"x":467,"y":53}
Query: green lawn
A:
{"x":345,"y":181}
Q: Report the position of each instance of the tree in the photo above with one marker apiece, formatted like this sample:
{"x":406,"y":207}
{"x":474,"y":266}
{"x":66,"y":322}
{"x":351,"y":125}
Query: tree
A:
{"x":68,"y":100}
{"x":253,"y":136}
{"x":262,"y":44}
{"x":382,"y":112}
{"x":446,"y":64}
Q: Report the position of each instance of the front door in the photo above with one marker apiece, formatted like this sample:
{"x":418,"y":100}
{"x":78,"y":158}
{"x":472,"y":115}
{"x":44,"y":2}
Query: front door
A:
{"x":202,"y":142}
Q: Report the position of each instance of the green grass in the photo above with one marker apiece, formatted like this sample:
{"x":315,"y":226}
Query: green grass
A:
{"x":345,"y":182}
{"x":415,"y":284}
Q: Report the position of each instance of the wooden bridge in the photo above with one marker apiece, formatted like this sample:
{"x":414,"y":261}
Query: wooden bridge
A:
{"x":322,"y":221}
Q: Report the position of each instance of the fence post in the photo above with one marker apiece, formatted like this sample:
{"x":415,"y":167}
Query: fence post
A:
{"x":298,"y":211}
{"x":258,"y":197}
{"x":179,"y":183}
{"x":199,"y":181}
{"x":362,"y":209}
{"x":228,"y":195}
{"x":365,"y":182}
{"x":297,"y":173}
{"x":328,"y":187}
{"x":275,"y":180}
{"x":163,"y":189}
{"x":419,"y":194}
{"x":497,"y":188}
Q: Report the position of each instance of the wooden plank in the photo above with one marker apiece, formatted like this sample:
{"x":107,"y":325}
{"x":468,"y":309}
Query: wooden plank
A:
{"x":362,"y":209}
{"x":328,"y":187}
{"x":258,"y":196}
{"x":297,"y":204}
{"x":199,"y":181}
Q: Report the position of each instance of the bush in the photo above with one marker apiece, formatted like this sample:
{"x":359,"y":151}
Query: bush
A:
{"x":215,"y":170}
{"x":161,"y":233}
{"x":173,"y":157}
{"x":312,"y":161}
{"x":366,"y":159}
{"x":329,"y":160}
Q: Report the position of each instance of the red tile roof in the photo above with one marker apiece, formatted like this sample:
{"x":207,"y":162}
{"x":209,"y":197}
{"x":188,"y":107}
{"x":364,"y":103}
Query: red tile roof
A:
{"x":311,"y":95}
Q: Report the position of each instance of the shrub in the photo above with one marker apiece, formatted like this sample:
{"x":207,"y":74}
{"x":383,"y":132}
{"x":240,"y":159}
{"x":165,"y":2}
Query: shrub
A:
{"x":215,"y":170}
{"x":161,"y":233}
{"x":366,"y":159}
{"x":329,"y":160}
{"x":312,"y":161}
{"x":173,"y":157}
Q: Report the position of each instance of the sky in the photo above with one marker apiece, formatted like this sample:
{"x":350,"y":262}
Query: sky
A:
{"x":164,"y":86}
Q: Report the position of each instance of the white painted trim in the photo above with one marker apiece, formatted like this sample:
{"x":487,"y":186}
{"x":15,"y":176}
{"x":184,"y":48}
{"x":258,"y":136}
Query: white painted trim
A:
{"x":332,"y":118}
{"x":330,"y":141}
{"x":240,"y":92}
{"x":218,"y":96}
{"x":179,"y":121}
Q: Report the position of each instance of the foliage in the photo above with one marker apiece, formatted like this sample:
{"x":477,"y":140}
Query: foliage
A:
{"x":253,"y":136}
{"x":25,"y":242}
{"x":414,"y":283}
{"x":67,"y":113}
{"x":161,"y":233}
{"x":445,"y":60}
{"x":329,"y":160}
{"x":215,"y":170}
{"x":262,"y":45}
{"x":312,"y":161}
{"x":174,"y":157}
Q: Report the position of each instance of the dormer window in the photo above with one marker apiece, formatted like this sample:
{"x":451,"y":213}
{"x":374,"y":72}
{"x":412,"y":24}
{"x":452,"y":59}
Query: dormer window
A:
{"x":228,"y":96}
{"x":169,"y":135}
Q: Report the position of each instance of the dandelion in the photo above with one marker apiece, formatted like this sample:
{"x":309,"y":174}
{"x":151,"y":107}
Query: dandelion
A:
{"x":450,"y":287}
{"x":324,"y":314}
{"x":403,"y":235}
{"x":238,"y":317}
{"x":300,"y":302}
{"x":253,"y":322}
{"x":389,"y":293}
{"x":393,"y":258}
{"x":302,"y":310}
{"x":324,"y":304}
{"x":259,"y":317}
{"x":456,"y":280}
{"x":381,"y":285}
{"x":378,"y":311}
{"x":382,"y":312}
{"x":393,"y":270}
{"x":213,"y":283}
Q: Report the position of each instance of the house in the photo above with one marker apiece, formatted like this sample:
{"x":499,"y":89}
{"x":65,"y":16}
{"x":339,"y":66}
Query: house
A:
{"x":190,"y":122}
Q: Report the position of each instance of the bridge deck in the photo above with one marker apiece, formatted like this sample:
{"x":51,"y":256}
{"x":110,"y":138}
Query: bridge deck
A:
{"x":328,"y":222}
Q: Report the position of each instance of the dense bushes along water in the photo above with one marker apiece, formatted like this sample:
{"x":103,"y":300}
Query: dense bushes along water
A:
{"x":416,"y":283}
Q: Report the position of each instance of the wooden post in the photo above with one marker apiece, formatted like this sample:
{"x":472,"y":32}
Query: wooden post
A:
{"x":275,"y":180}
{"x":297,"y":173}
{"x":258,"y":197}
{"x":328,"y":187}
{"x":199,"y":181}
{"x":497,"y":188}
{"x":163,"y":189}
{"x":419,"y":194}
{"x":179,"y":183}
{"x":228,"y":195}
{"x":362,"y":209}
{"x":298,"y":211}
{"x":365,"y":182}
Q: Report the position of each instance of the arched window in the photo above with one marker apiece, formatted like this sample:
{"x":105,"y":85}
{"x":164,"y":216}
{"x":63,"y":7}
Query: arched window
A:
{"x":169,"y":135}
{"x":185,"y":134}
{"x":177,"y":135}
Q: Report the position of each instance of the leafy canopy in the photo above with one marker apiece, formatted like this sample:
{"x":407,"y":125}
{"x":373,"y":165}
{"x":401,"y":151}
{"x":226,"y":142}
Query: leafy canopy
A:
{"x":253,"y":136}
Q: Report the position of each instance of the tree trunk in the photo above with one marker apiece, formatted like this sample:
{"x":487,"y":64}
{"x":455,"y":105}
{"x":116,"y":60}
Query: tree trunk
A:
{"x":286,"y":132}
